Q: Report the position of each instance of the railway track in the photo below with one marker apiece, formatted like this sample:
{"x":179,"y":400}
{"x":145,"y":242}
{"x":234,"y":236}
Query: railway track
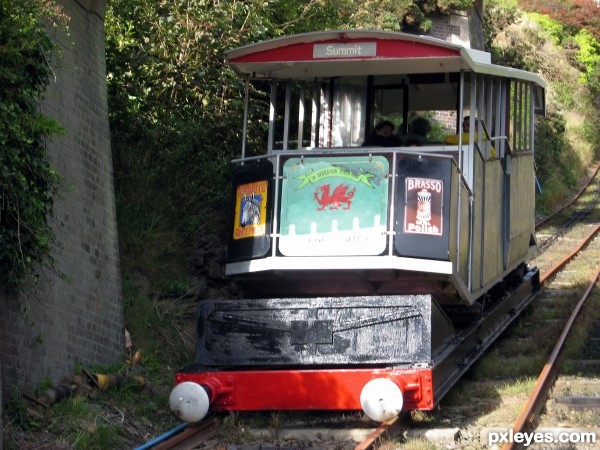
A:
{"x":491,"y":397}
{"x":493,"y":394}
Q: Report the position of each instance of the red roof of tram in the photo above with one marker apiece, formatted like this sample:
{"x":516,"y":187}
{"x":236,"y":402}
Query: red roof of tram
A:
{"x":385,"y":49}
{"x":336,"y":53}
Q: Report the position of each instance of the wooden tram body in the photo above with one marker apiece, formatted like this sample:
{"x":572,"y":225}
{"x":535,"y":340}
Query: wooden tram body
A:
{"x":374,"y":276}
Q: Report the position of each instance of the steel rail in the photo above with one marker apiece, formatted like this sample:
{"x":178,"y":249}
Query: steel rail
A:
{"x":368,"y":442}
{"x":577,"y":216}
{"x":544,"y":378}
{"x":573,"y":200}
{"x":191,"y":437}
{"x":559,"y":265}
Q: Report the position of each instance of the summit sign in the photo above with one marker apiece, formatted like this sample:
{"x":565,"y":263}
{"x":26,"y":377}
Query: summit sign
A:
{"x":364,"y":49}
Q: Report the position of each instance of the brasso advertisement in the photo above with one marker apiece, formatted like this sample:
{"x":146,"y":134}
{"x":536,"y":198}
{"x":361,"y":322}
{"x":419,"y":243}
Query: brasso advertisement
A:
{"x":423,"y":210}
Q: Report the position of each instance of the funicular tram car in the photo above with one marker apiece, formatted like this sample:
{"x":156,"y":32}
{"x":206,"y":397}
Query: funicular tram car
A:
{"x":374,"y":276}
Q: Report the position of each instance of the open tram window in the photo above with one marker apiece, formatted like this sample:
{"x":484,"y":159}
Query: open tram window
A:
{"x":290,"y":115}
{"x":317,"y":113}
{"x":388,"y":103}
{"x":521,"y":121}
{"x":404,"y":98}
{"x":480,"y":102}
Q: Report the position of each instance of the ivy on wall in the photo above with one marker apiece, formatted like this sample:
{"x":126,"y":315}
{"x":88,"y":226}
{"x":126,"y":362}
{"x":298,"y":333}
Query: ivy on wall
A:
{"x":27,"y":181}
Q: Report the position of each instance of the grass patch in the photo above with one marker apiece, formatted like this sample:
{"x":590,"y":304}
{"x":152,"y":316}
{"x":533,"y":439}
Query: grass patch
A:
{"x":74,"y":422}
{"x":421,"y":417}
{"x":162,"y":327}
{"x":409,"y":444}
{"x":520,"y":386}
{"x":111,"y":418}
{"x":518,"y":366}
{"x":235,"y":429}
{"x":466,"y":391}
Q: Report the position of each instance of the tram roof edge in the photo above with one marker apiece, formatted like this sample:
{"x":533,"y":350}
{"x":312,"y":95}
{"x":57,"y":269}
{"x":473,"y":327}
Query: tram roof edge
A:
{"x":304,"y":56}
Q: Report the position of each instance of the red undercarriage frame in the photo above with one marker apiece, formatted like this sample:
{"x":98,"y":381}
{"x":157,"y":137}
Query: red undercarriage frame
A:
{"x":256,"y":390}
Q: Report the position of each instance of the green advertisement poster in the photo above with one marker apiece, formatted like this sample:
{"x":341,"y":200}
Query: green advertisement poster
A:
{"x":333,"y":206}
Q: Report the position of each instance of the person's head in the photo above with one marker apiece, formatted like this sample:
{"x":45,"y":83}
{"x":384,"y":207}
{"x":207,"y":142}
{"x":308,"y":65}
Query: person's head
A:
{"x":420,"y":125}
{"x":466,"y":124}
{"x":385,"y":128}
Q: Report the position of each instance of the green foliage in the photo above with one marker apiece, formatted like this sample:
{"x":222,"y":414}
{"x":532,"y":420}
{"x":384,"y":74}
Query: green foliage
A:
{"x":499,"y":14}
{"x":27,"y":182}
{"x":594,"y":86}
{"x":588,"y":48}
{"x":569,"y":138}
{"x":588,"y":54}
{"x":156,"y":325}
{"x":557,"y":162}
{"x":565,"y":94}
{"x":574,"y":15}
{"x":553,"y":29}
{"x":419,"y":12}
{"x":522,"y":52}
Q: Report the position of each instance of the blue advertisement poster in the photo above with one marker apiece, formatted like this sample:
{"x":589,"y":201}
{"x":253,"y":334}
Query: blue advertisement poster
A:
{"x":333,"y":206}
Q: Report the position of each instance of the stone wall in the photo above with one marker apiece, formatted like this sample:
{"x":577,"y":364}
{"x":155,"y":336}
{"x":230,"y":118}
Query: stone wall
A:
{"x":45,"y":333}
{"x":461,"y":27}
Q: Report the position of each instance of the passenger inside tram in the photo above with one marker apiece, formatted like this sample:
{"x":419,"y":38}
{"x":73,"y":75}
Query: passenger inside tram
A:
{"x":454,"y":139}
{"x":383,"y":136}
{"x":418,"y":131}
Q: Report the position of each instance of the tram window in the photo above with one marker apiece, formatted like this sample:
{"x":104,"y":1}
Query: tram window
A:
{"x":520,"y":126}
{"x":290,"y":121}
{"x":348,"y":111}
{"x":400,"y":98}
{"x":318,"y":113}
{"x":441,"y":124}
{"x":388,"y":104}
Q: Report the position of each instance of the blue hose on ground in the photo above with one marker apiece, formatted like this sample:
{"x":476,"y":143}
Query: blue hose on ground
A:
{"x":162,"y":437}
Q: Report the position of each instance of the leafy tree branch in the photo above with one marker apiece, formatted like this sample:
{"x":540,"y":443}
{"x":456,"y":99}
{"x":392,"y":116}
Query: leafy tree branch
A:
{"x":27,"y":181}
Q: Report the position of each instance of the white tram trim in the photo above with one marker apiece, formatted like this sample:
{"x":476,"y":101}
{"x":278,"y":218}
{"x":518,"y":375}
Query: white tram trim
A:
{"x":341,"y":263}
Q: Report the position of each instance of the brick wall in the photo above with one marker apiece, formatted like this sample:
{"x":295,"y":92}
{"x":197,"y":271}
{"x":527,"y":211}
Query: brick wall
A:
{"x":44,"y":334}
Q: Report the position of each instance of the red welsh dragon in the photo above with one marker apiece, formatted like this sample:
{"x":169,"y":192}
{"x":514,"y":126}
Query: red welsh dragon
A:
{"x":340,"y":196}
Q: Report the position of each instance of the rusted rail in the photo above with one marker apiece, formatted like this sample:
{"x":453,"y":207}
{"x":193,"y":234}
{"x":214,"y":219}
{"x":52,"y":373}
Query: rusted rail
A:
{"x":559,"y":265}
{"x":573,"y":200}
{"x":544,"y":379}
{"x":376,"y":434}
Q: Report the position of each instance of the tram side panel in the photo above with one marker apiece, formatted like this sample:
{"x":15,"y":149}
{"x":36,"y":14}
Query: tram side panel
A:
{"x":464,"y":231}
{"x":522,"y":205}
{"x":492,"y":226}
{"x":502,"y":221}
